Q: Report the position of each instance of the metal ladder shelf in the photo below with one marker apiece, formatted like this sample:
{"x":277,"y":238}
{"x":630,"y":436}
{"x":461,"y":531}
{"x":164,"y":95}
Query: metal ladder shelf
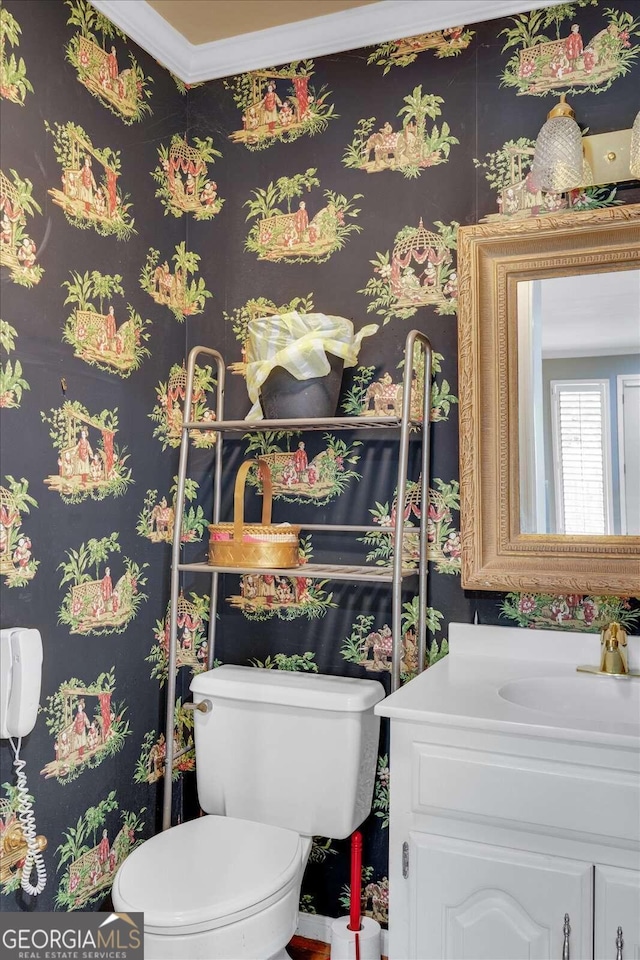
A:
{"x":394,"y":575}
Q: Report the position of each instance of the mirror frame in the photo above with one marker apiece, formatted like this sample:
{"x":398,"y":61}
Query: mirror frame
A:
{"x":492,"y":259}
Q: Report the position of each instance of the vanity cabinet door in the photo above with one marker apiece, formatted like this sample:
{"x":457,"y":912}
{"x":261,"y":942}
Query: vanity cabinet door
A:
{"x":473,"y":901}
{"x":617,"y":905}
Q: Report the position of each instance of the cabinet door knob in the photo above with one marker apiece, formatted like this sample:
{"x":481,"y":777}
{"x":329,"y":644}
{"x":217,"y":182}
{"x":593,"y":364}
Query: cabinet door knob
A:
{"x":619,"y":944}
{"x":566,"y":930}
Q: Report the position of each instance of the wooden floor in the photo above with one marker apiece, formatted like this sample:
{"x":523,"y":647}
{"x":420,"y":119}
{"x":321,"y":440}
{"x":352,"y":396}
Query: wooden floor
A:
{"x":302,"y":949}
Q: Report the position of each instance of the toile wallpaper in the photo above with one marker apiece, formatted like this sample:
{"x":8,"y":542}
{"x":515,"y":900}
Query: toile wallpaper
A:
{"x":138,"y":218}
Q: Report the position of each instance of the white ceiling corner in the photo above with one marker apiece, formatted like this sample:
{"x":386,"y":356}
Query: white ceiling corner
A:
{"x":333,"y":33}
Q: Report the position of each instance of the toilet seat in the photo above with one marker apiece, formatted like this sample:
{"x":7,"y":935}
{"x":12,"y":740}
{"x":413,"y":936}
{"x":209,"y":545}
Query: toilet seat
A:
{"x":207,"y":873}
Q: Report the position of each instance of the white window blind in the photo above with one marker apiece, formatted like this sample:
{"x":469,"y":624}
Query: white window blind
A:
{"x":581,"y":445}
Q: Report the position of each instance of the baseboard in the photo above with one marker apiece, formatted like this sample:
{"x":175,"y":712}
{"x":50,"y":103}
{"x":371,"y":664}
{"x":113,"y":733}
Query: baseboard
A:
{"x":313,"y":926}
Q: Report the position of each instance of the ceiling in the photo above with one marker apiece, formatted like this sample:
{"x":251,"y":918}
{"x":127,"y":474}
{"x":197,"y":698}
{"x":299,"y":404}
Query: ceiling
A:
{"x":253,"y":34}
{"x":203,"y":22}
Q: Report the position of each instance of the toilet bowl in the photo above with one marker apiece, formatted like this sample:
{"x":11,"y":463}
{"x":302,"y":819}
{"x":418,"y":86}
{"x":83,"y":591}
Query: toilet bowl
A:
{"x":215,"y":888}
{"x":281,"y":757}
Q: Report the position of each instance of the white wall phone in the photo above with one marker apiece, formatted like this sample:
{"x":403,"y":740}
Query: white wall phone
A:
{"x":20,"y":679}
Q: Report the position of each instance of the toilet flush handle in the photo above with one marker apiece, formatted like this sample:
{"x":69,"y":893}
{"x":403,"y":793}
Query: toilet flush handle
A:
{"x":205,"y":706}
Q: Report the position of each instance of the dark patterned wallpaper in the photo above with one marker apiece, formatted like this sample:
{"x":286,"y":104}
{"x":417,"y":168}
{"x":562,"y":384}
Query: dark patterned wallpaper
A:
{"x":335,"y":186}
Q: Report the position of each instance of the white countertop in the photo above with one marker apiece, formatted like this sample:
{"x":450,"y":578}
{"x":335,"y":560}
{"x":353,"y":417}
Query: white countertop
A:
{"x":462,"y":689}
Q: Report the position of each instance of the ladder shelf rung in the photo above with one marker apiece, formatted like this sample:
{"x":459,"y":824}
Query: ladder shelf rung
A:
{"x":316,"y":571}
{"x":302,"y":424}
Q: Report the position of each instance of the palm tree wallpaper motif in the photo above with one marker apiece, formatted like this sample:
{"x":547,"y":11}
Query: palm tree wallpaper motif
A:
{"x":92,"y":851}
{"x":90,"y":197}
{"x":87,"y":726}
{"x":18,"y":250}
{"x":299,"y":475}
{"x":90,"y":463}
{"x":92,"y":328}
{"x":401,"y":285}
{"x":410,"y":149}
{"x":172,"y":287}
{"x":151,"y":763}
{"x":167,"y":412}
{"x":157,"y":517}
{"x":104,"y":593}
{"x":568,"y":63}
{"x":124,"y":91}
{"x":279,"y":104}
{"x":12,"y":382}
{"x":17,"y":563}
{"x":182,"y":175}
{"x":371,"y":647}
{"x":401,"y":53}
{"x":14,"y":84}
{"x":508,"y":172}
{"x":264,"y":596}
{"x":193,"y":646}
{"x":301,"y":235}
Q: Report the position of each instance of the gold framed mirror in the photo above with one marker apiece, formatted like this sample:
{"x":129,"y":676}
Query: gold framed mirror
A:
{"x":549,"y":368}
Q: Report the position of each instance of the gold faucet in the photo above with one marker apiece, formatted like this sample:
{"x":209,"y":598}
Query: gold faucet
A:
{"x":613,"y":657}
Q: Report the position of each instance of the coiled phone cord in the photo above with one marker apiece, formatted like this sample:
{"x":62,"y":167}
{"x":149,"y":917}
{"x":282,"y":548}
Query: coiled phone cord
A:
{"x":25,"y":813}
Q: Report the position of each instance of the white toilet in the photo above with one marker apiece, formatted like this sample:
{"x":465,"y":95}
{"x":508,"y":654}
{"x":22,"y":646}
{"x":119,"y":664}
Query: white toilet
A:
{"x":281,"y":757}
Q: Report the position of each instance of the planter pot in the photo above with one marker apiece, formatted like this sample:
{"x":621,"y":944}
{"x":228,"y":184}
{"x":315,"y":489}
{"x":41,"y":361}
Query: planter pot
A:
{"x":283,"y":397}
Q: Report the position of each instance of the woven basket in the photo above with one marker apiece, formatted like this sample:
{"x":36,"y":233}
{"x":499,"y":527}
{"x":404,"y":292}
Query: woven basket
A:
{"x":262,"y":545}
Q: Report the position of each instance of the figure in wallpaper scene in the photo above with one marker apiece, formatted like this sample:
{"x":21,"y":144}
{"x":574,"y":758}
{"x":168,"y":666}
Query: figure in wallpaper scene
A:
{"x":92,"y":851}
{"x":104,"y":593}
{"x":18,"y":250}
{"x":150,"y":765}
{"x":400,"y":53}
{"x":99,"y":335}
{"x":13,"y":846}
{"x":124,"y":90}
{"x":570,"y":612}
{"x":279,"y":104}
{"x":420,"y":271}
{"x":90,"y":195}
{"x":12,"y":383}
{"x":299,"y":475}
{"x":443,"y":539}
{"x":90,"y":463}
{"x":409,"y":149}
{"x":569,"y":62}
{"x":193,"y":646}
{"x":183,"y":177}
{"x":264,"y":596}
{"x":508,"y":172}
{"x":14,"y":84}
{"x":172,"y":287}
{"x":17,"y":564}
{"x":156,"y":519}
{"x":372,"y":648}
{"x":86,"y":724}
{"x":304,"y":234}
{"x":167,"y":412}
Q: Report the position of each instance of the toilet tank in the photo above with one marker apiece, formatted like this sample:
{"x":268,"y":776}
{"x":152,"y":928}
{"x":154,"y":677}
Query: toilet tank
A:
{"x":295,"y":750}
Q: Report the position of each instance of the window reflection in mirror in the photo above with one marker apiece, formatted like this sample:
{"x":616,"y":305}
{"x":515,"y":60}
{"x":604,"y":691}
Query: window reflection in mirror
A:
{"x":579,"y":404}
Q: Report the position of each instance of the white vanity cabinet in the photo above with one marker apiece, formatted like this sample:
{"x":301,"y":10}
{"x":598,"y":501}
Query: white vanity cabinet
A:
{"x":513,"y":835}
{"x":476,"y":901}
{"x":617,"y":905}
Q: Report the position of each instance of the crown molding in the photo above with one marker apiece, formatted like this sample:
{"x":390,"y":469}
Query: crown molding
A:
{"x":333,"y":33}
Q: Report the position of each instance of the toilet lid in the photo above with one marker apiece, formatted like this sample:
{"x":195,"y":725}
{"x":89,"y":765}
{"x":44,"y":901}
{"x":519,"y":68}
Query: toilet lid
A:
{"x":206,"y":870}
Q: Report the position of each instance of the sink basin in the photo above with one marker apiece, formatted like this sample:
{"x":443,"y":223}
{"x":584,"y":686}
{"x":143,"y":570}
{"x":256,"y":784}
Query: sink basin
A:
{"x":609,"y":699}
